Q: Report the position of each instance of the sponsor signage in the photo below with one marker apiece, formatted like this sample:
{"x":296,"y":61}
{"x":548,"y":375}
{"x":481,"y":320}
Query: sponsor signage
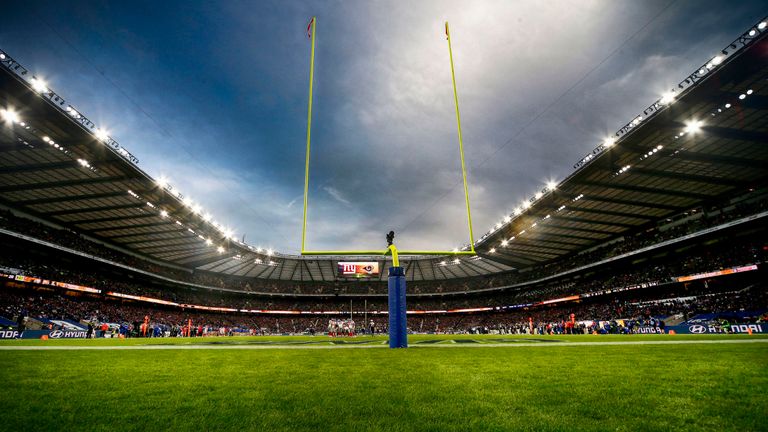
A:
{"x":40,"y":281}
{"x":52,"y":334}
{"x":209,"y":308}
{"x":72,"y":286}
{"x":562,"y":299}
{"x":9,"y":334}
{"x":67,"y":334}
{"x":142,"y":298}
{"x":717,"y":273}
{"x":480,"y":309}
{"x":717,"y":329}
{"x":647,"y":330}
{"x":417,"y":312}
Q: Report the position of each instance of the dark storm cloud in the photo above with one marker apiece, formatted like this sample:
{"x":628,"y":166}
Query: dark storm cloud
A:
{"x":214,"y":98}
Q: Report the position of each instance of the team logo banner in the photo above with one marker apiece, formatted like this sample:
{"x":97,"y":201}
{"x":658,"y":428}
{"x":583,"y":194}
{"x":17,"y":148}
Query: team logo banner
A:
{"x":358,"y":269}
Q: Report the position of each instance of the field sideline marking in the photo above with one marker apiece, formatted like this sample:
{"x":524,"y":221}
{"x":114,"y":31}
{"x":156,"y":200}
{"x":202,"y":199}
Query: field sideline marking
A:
{"x":493,"y":345}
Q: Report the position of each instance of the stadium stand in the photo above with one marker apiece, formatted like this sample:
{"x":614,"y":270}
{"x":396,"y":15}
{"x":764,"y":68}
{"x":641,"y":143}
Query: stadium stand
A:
{"x":592,"y":294}
{"x":694,"y":222}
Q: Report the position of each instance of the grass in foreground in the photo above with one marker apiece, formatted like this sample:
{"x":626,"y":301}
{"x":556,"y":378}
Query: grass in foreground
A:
{"x":670,"y":387}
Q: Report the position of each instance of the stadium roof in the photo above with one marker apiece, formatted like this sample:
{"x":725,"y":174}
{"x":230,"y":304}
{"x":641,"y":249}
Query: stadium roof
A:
{"x":700,"y":143}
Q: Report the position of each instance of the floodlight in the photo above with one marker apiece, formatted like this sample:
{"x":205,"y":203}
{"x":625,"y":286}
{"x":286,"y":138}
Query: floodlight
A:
{"x":693,"y":126}
{"x":39,"y":85}
{"x":667,"y":98}
{"x":9,"y":115}
{"x":101,"y":134}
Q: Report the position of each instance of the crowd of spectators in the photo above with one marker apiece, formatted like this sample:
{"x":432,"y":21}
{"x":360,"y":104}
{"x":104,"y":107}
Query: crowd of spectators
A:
{"x":689,"y":222}
{"x":612,"y":314}
{"x":609,"y":314}
{"x":650,"y":273}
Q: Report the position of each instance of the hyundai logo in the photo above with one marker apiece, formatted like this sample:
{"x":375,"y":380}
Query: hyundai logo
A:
{"x":56,"y":334}
{"x":697,"y":329}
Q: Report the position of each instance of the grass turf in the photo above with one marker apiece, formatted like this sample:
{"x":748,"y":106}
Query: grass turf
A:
{"x":632,"y":387}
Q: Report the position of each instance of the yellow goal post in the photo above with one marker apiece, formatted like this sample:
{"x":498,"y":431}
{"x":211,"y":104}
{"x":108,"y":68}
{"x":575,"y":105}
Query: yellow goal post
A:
{"x":392,"y":249}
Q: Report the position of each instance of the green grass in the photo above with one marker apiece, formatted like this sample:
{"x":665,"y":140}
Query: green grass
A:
{"x":613,"y":387}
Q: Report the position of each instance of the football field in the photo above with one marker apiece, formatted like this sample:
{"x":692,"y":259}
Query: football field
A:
{"x":655,"y":382}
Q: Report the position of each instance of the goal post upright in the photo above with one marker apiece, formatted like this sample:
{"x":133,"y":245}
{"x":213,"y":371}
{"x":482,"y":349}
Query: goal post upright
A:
{"x":461,"y":140}
{"x":312,"y":25}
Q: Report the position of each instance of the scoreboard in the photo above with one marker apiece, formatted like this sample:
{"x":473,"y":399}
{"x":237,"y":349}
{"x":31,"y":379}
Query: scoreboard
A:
{"x":358,"y":269}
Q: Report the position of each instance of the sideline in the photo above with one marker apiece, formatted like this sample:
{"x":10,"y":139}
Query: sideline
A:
{"x":377,"y":346}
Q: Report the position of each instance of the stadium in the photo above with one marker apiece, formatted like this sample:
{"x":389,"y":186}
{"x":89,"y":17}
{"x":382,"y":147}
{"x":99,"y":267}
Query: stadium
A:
{"x":630,"y":294}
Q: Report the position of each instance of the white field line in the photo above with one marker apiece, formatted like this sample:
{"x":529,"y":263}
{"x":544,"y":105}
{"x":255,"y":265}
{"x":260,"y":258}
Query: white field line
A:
{"x":301,"y":347}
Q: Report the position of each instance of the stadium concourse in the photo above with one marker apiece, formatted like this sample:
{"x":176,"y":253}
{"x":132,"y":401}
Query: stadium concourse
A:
{"x":660,"y":227}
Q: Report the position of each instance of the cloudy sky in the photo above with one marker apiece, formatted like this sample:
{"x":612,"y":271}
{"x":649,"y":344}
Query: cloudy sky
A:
{"x":214,"y":98}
